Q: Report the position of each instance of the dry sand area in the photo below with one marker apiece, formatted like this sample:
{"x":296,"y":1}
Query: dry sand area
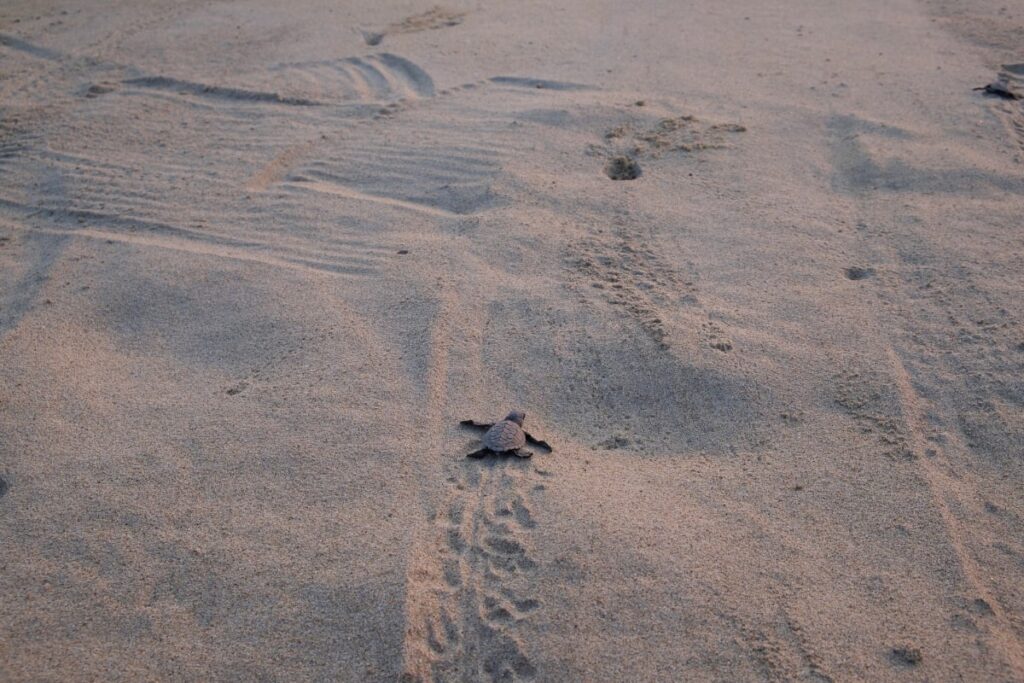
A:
{"x":259,"y":258}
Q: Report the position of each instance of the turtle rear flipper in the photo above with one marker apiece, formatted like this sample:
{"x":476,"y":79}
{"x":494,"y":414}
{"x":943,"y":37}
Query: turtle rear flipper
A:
{"x":522,"y":453}
{"x":538,"y":442}
{"x":476,"y":455}
{"x":477,"y":425}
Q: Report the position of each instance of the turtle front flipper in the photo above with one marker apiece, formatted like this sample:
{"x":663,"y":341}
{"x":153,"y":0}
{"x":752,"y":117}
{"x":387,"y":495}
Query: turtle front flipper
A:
{"x":477,"y":425}
{"x":476,"y":455}
{"x":522,"y":453}
{"x":537,"y":442}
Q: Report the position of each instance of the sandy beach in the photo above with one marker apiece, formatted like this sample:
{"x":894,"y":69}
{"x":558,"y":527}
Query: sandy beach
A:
{"x":754,"y":270}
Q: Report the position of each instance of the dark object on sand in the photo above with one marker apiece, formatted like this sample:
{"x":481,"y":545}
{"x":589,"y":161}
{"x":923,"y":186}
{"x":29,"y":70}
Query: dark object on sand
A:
{"x":859,"y":273}
{"x":3,"y":486}
{"x":371,"y":38}
{"x":622,"y":168}
{"x":905,"y":655}
{"x":505,"y":437}
{"x":1000,"y":88}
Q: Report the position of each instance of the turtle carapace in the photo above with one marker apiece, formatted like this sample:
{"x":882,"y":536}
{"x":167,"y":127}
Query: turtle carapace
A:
{"x":505,"y":437}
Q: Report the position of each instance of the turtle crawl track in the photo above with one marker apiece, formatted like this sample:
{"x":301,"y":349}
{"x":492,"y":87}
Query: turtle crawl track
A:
{"x":475,"y":580}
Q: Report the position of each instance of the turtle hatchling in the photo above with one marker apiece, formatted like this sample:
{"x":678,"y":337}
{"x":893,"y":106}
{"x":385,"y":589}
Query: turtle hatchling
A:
{"x":505,"y":437}
{"x":1001,"y":87}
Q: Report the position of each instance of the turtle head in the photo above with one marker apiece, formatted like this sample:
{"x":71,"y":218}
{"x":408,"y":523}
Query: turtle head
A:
{"x":516,"y":416}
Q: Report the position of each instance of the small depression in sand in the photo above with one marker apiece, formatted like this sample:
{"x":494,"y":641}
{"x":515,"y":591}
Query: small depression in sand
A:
{"x":622,"y":168}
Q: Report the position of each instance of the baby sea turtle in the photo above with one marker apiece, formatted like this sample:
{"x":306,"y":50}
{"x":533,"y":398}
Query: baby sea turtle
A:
{"x":506,"y":436}
{"x":1001,"y":87}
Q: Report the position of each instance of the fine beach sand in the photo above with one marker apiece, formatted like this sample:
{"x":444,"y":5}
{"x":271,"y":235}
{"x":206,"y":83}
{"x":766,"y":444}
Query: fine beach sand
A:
{"x":258,"y":259}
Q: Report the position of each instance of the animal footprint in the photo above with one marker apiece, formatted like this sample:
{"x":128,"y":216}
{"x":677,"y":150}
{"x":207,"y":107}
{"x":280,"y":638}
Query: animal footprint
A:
{"x":716,"y":337}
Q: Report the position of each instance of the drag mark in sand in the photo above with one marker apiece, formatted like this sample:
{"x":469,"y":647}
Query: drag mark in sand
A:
{"x":476,"y":589}
{"x":915,"y":425}
{"x":868,"y":397}
{"x":782,"y":650}
{"x":621,"y":261}
{"x":625,"y":269}
{"x":469,"y":582}
{"x":778,"y":645}
{"x":943,"y":489}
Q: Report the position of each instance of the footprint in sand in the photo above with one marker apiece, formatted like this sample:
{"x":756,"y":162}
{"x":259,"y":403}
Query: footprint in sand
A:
{"x":622,"y":168}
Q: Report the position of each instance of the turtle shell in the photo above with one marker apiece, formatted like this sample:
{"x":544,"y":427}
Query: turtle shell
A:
{"x":505,"y":436}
